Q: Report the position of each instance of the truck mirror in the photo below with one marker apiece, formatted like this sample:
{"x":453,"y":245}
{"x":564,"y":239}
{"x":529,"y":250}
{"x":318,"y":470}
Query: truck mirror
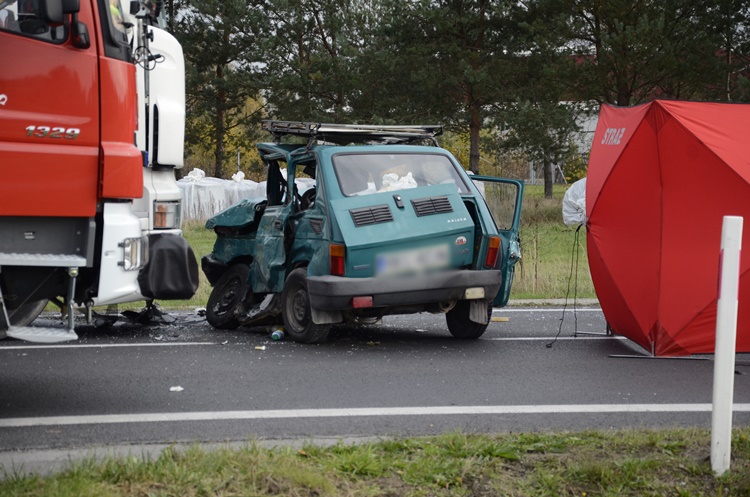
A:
{"x":81,"y":36}
{"x":71,"y":6}
{"x":52,"y":11}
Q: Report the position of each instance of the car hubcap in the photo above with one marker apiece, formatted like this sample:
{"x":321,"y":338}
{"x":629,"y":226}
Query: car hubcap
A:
{"x":228,"y":297}
{"x":299,"y":307}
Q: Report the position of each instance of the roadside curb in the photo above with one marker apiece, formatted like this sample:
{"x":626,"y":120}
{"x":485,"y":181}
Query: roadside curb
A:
{"x":47,"y":462}
{"x":552,"y":302}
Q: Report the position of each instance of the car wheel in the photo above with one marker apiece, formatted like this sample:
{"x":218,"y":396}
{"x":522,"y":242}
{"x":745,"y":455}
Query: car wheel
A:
{"x":459,"y":323}
{"x":28,"y":312}
{"x":226,"y":296}
{"x":295,"y":310}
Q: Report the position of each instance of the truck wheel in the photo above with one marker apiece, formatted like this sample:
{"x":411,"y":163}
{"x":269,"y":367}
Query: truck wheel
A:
{"x":28,"y":312}
{"x":461,"y":326}
{"x":226,"y":296}
{"x":295,"y":310}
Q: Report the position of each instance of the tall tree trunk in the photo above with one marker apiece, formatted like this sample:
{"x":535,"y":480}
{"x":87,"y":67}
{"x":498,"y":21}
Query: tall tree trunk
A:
{"x":474,"y":93}
{"x":220,"y":125}
{"x":220,"y":147}
{"x":547,"y":179}
{"x":170,"y":15}
{"x":475,"y":125}
{"x":624,"y":92}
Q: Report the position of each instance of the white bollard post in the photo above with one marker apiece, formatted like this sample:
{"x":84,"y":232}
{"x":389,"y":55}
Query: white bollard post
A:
{"x":726,"y":338}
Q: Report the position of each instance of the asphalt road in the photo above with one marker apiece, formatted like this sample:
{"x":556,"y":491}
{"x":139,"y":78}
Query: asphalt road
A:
{"x":407,"y":376}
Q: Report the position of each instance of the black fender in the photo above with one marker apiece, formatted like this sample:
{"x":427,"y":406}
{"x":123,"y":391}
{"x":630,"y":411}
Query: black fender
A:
{"x":171,"y":271}
{"x":213,"y":268}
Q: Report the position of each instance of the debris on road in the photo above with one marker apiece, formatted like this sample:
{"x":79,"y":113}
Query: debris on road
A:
{"x":277,"y":333}
{"x":176,"y":389}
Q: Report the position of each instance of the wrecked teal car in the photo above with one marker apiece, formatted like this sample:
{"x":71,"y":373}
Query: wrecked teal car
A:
{"x":360,"y":222}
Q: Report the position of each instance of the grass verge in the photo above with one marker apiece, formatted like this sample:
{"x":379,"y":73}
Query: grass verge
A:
{"x":585,"y":464}
{"x":554,"y":261}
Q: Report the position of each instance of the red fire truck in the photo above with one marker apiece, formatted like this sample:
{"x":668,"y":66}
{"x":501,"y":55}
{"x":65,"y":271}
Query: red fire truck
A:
{"x":91,"y":130}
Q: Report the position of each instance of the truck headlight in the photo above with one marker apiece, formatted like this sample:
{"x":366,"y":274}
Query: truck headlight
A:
{"x":134,"y":253}
{"x":166,"y":215}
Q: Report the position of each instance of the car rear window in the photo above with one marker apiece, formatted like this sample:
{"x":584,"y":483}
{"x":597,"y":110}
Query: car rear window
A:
{"x":363,"y":174}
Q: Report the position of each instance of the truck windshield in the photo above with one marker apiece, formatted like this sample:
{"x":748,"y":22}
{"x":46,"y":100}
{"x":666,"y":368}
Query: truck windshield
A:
{"x":363,"y":174}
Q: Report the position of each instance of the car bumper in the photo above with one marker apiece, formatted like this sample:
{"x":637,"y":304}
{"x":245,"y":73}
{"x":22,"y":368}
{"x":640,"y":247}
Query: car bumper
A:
{"x":330,"y":293}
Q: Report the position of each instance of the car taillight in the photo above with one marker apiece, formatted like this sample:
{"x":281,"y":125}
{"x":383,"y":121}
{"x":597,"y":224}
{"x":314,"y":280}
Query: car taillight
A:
{"x":492,"y":250}
{"x":336,"y":254}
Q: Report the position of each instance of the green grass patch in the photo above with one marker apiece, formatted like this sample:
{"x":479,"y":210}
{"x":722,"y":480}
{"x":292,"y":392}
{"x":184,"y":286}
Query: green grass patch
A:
{"x":585,"y":464}
{"x":549,"y":265}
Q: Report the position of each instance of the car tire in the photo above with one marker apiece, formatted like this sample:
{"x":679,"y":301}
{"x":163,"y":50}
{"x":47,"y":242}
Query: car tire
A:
{"x":226,"y":296}
{"x":461,"y":326}
{"x":295,"y":310}
{"x":28,"y":312}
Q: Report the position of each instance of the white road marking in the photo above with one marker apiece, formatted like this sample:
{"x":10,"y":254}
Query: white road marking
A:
{"x":178,"y":344}
{"x":549,"y":339}
{"x":359,"y":412}
{"x":105,"y":345}
{"x":503,"y":310}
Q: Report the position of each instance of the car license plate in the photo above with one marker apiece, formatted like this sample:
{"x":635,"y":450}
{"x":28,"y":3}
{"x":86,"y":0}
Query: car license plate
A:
{"x":414,"y":261}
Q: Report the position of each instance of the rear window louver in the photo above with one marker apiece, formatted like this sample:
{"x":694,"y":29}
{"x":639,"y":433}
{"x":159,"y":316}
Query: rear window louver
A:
{"x":317,"y":226}
{"x":431,"y":205}
{"x":371,"y":215}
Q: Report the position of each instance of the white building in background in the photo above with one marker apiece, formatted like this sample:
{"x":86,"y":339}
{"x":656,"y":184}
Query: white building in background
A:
{"x":587,"y":122}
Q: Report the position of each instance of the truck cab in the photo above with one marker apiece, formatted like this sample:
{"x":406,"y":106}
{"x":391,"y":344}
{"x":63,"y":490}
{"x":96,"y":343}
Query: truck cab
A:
{"x":88,"y":193}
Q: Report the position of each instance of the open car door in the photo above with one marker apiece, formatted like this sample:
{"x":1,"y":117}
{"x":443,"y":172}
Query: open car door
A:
{"x":503,"y":198}
{"x":268,"y":270}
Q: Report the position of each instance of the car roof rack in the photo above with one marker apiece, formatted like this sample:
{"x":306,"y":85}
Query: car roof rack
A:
{"x":343,"y":134}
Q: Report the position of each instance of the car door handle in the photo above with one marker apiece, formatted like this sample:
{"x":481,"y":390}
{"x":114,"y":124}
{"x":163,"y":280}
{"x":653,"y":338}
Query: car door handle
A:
{"x":278,"y":225}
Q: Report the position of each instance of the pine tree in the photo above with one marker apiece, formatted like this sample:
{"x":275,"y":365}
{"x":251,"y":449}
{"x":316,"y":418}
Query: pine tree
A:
{"x":220,"y":42}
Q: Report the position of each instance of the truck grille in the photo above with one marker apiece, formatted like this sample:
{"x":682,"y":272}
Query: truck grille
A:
{"x":371,"y":215}
{"x":431,"y":205}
